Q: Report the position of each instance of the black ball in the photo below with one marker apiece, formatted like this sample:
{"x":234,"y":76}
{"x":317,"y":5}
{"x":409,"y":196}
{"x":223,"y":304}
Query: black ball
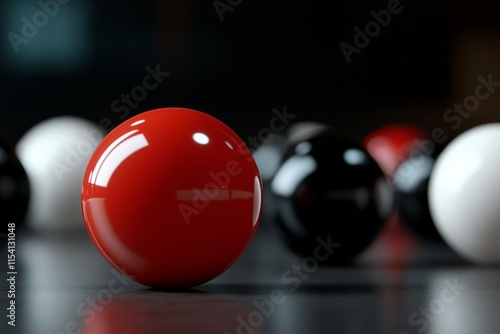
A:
{"x":330,"y":189}
{"x":411,"y":183}
{"x":14,"y":187}
{"x":269,"y":155}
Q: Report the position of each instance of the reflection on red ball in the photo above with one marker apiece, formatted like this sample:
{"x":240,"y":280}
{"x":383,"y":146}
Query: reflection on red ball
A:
{"x":171,"y":197}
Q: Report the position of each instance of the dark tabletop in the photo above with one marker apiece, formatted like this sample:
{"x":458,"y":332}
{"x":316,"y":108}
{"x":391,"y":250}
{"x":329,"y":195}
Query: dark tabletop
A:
{"x":63,"y":285}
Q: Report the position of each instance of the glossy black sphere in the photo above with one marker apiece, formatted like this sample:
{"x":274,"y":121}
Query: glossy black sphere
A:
{"x":270,"y":154}
{"x":411,"y":183}
{"x":14,"y":187}
{"x":330,"y":189}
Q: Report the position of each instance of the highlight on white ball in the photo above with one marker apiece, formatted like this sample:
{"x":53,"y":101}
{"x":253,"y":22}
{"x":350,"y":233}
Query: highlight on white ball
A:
{"x":464,"y":194}
{"x":55,"y":154}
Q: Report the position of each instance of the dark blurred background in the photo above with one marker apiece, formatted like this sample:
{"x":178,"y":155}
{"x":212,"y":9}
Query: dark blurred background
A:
{"x":263,"y":55}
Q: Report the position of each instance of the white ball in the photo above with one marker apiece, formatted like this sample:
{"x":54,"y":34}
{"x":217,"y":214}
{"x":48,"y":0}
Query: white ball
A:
{"x":464,"y":194}
{"x":304,"y":130}
{"x":55,"y":154}
{"x":268,"y":157}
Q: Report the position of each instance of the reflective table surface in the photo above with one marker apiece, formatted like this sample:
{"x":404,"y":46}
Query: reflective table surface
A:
{"x":397,"y":286}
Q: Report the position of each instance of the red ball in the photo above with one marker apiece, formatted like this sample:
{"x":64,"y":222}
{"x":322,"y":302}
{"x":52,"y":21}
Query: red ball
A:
{"x":171,"y":197}
{"x":392,"y":144}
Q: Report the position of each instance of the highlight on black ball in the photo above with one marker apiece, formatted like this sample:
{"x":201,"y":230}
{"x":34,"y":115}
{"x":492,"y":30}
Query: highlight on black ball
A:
{"x":329,"y":191}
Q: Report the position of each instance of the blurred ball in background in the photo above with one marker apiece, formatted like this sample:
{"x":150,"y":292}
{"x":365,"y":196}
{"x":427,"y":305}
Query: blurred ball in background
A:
{"x":55,"y":154}
{"x":464,"y":194}
{"x":14,"y":186}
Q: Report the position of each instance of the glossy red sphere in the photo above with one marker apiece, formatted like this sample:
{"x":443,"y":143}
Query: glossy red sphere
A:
{"x":392,"y":144}
{"x":172,"y":197}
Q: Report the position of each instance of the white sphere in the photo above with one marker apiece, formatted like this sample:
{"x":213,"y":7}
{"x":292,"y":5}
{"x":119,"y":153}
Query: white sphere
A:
{"x":268,"y":157}
{"x":304,"y":130}
{"x":464,"y":194}
{"x":55,"y":154}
